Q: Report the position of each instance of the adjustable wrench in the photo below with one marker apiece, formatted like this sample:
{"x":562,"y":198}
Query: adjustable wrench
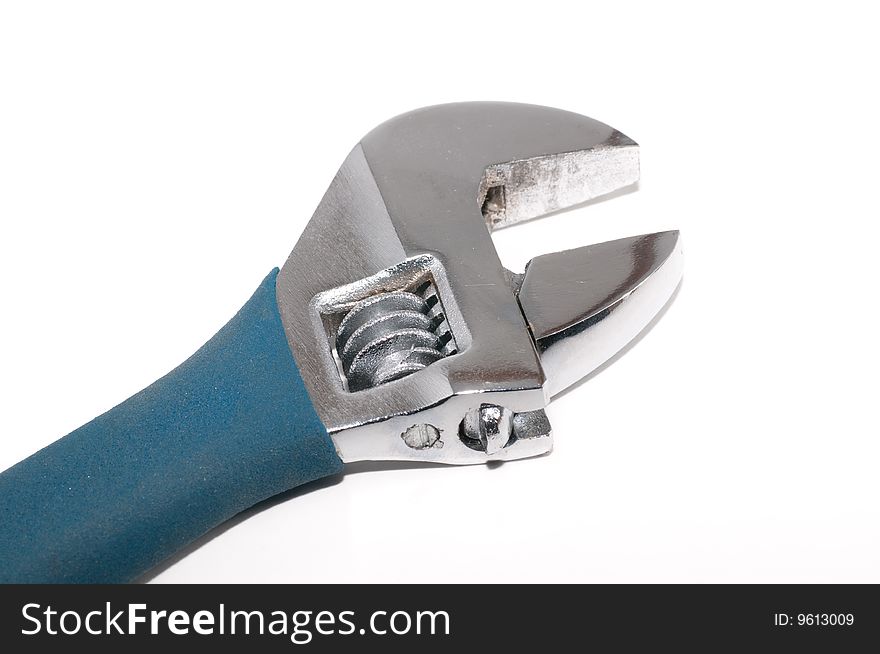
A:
{"x":392,"y":332}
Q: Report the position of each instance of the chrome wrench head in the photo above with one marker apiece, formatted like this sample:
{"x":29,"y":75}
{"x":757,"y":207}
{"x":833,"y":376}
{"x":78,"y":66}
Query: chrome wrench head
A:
{"x":413,"y":340}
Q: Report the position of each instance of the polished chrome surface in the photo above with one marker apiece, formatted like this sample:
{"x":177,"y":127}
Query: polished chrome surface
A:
{"x":414,"y":202}
{"x":584,"y":305}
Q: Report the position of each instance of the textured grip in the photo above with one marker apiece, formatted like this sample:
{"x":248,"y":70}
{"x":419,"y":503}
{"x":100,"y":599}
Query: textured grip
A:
{"x":231,"y":426}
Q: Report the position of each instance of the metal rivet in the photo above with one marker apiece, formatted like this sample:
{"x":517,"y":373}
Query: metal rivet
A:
{"x":422,"y":437}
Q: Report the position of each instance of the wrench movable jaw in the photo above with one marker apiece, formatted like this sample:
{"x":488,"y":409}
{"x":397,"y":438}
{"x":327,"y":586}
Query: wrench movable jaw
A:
{"x":409,"y":334}
{"x":585,"y":305}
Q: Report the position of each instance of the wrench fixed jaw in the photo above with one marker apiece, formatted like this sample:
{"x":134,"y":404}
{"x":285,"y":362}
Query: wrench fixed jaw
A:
{"x":402,"y":320}
{"x":525,"y":189}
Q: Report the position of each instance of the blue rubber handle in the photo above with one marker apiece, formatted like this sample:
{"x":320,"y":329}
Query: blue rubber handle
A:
{"x":231,"y":426}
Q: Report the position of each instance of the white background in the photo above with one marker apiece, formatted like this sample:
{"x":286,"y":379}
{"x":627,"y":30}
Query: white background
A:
{"x":157,"y":159}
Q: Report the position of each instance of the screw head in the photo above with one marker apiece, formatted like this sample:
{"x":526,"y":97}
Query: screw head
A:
{"x":490,"y":426}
